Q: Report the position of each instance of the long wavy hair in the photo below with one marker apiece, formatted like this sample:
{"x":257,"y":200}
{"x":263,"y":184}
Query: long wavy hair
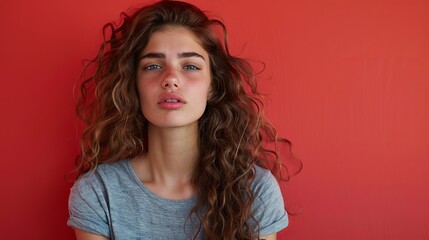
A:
{"x":233,"y":133}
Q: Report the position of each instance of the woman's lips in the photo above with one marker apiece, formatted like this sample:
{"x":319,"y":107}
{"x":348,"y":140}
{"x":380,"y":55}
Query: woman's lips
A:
{"x":171,"y":101}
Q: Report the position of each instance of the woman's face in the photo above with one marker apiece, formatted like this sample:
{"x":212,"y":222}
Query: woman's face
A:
{"x":173,"y":78}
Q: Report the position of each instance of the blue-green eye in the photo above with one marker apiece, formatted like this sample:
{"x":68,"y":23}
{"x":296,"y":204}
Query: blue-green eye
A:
{"x":152,"y":67}
{"x":191,"y":67}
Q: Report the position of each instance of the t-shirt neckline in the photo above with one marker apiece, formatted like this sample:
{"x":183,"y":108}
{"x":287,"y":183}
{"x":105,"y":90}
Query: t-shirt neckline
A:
{"x":133,"y":174}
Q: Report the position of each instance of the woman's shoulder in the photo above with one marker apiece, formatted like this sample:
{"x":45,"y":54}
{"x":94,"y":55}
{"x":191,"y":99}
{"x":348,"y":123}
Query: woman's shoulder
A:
{"x":89,"y":201}
{"x":268,"y":207}
{"x":264,"y":181}
{"x":104,"y":173}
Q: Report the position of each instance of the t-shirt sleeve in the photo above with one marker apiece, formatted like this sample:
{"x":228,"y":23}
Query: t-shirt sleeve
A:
{"x":268,"y":207}
{"x":87,"y":206}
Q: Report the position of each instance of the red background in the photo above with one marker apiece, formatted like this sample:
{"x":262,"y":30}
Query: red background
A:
{"x":348,"y":83}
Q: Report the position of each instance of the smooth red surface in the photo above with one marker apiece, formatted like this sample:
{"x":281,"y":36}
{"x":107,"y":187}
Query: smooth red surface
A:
{"x":348,"y":83}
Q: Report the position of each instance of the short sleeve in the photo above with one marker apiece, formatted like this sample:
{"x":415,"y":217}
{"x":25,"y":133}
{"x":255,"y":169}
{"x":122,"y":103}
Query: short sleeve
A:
{"x":268,"y":207}
{"x":87,"y":206}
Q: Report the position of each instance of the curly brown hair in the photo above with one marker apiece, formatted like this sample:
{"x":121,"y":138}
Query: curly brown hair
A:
{"x":233,"y":133}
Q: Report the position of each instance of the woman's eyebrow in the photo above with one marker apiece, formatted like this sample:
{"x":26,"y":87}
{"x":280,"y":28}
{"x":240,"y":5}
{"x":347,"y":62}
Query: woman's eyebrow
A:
{"x":190,"y":54}
{"x":180,"y":55}
{"x":153,"y":55}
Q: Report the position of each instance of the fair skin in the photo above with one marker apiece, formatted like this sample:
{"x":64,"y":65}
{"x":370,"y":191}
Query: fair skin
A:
{"x":173,"y":81}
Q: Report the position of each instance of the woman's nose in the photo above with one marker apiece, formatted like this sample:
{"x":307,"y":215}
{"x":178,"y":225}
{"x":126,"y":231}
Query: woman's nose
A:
{"x":171,"y":79}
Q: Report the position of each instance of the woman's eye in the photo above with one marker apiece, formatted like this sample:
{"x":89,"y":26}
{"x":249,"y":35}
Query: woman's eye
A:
{"x":191,"y":67}
{"x":152,"y":67}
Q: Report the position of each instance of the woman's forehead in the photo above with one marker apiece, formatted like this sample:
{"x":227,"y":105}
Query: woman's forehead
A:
{"x":174,"y":39}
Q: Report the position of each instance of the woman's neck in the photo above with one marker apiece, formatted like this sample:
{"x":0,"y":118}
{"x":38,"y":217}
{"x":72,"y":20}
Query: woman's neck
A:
{"x":172,"y":155}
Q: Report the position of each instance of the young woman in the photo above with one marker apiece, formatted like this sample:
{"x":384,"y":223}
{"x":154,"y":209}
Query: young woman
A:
{"x":174,"y":144}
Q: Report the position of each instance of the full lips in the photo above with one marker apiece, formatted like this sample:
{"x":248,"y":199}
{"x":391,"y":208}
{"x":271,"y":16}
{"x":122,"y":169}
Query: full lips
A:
{"x":171,"y":105}
{"x":171,"y":101}
{"x":171,"y":98}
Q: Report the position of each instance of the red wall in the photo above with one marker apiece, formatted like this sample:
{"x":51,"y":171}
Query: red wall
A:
{"x":348,"y":83}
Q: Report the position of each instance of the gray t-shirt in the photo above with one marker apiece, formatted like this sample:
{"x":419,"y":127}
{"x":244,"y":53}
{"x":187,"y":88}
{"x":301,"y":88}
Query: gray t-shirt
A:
{"x":113,"y":202}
